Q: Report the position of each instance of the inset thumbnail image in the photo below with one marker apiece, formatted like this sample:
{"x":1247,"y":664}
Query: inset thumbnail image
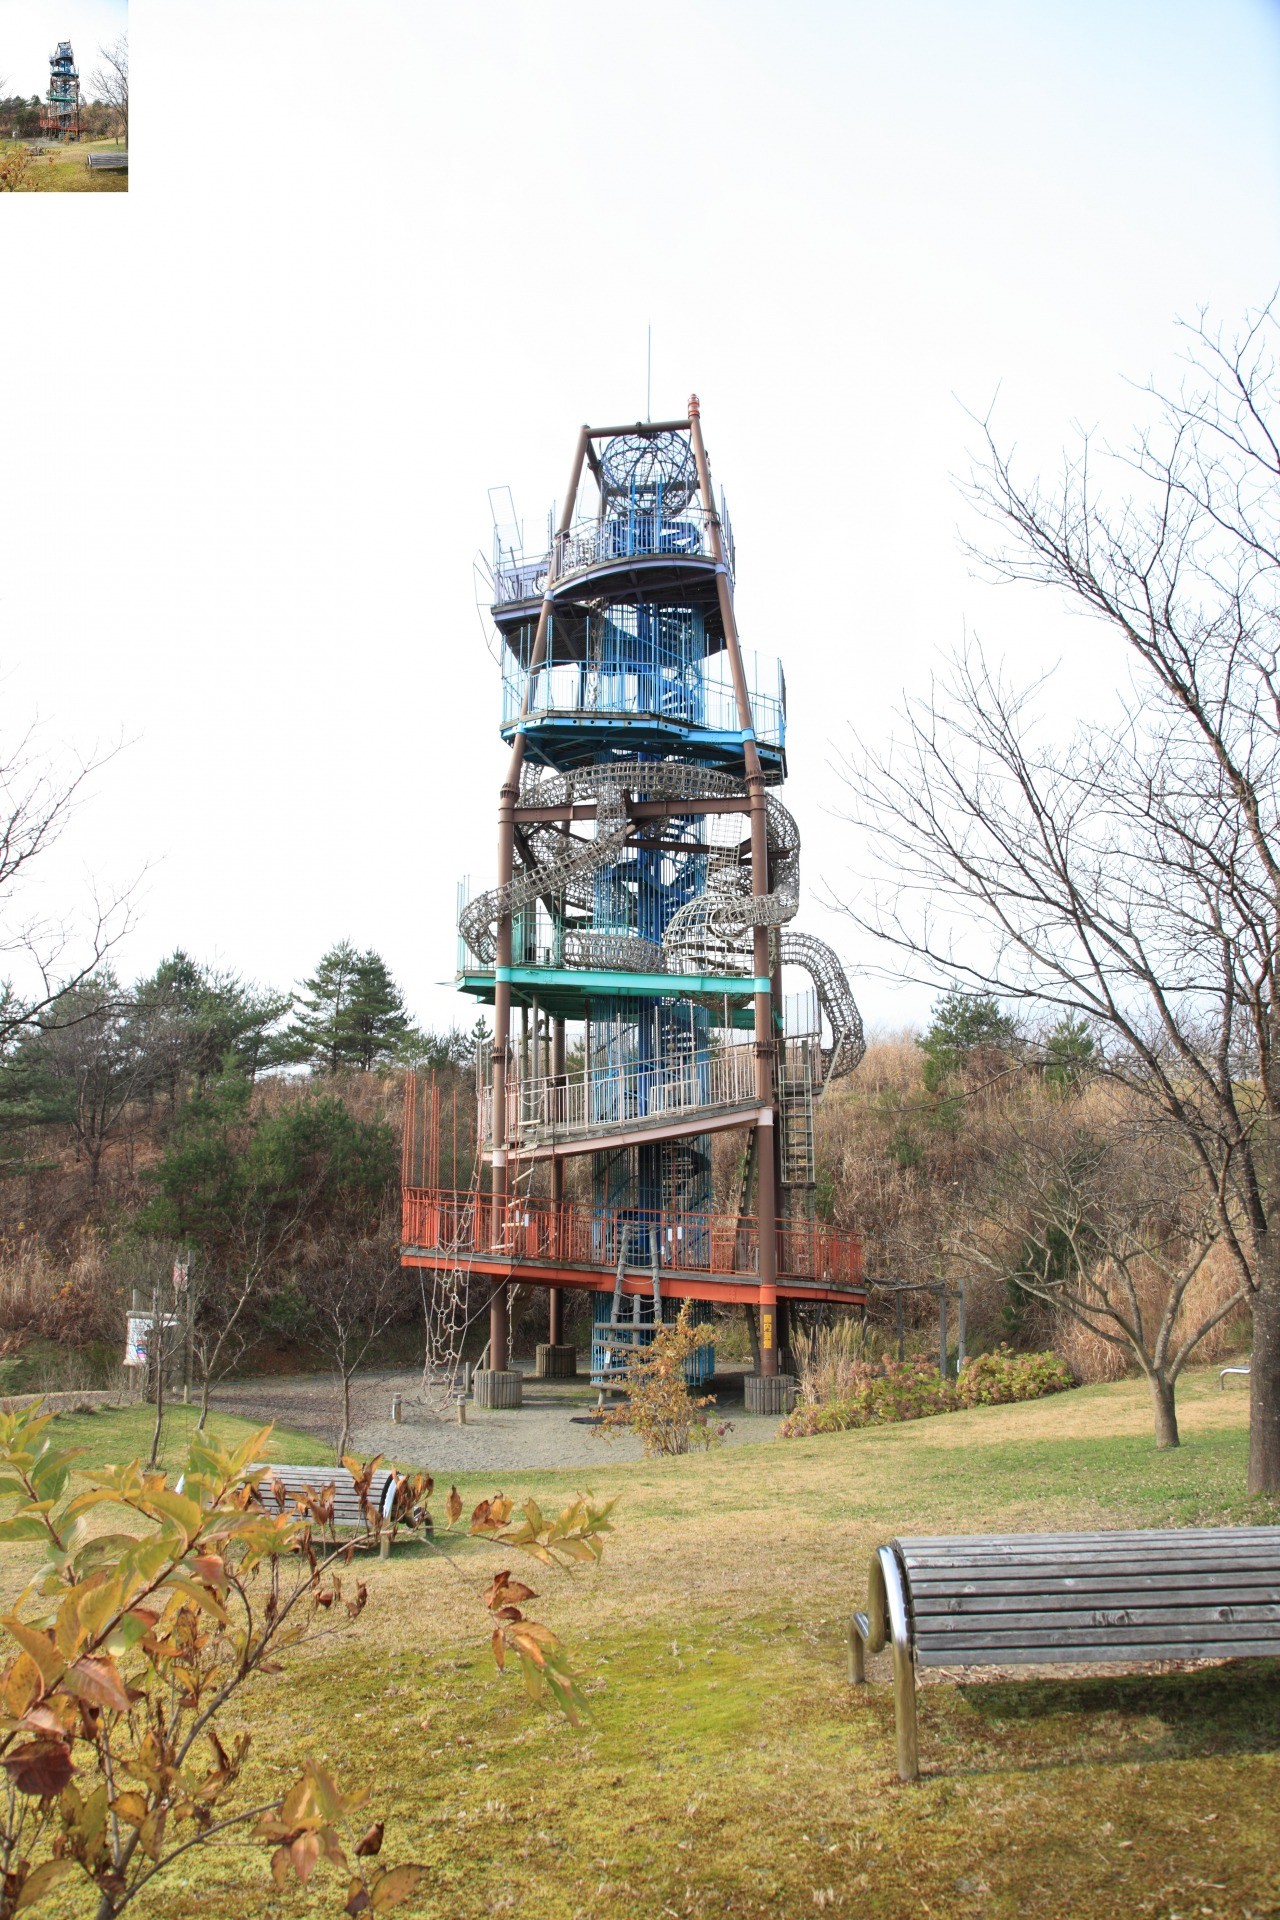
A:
{"x":64,"y":97}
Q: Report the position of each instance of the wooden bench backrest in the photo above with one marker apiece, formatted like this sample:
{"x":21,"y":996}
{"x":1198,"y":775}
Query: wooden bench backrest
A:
{"x":346,"y":1508}
{"x":1035,"y":1599}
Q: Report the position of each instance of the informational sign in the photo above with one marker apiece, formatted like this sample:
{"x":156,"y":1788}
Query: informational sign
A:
{"x":137,"y":1335}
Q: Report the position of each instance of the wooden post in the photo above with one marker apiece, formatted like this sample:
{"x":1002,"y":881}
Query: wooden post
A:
{"x":942,"y":1329}
{"x":960,"y":1326}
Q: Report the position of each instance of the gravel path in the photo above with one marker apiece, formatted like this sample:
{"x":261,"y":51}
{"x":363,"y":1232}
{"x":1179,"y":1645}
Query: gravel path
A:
{"x":549,"y":1430}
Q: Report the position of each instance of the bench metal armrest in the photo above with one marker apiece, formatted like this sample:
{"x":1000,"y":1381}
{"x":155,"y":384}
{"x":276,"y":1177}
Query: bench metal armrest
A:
{"x":888,"y":1619}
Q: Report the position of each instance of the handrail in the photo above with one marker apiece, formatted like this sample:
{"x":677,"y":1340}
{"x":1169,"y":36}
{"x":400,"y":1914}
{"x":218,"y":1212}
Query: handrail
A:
{"x":601,"y":1101}
{"x":627,"y":535}
{"x":562,"y":1233}
{"x":693,"y":697}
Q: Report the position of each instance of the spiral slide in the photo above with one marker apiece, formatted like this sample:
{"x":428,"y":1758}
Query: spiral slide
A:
{"x":710,"y":932}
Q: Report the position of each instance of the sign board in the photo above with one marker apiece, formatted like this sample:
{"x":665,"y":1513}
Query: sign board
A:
{"x":137,"y":1333}
{"x":179,"y":1276}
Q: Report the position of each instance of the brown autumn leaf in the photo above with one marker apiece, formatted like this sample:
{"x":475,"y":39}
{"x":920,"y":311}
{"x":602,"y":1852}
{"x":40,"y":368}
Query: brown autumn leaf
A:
{"x":453,"y":1506}
{"x":40,"y":1767}
{"x":495,"y":1586}
{"x":303,"y":1854}
{"x":393,"y":1887}
{"x":357,"y":1898}
{"x":499,"y":1654}
{"x":503,"y":1591}
{"x":372,"y":1842}
{"x":96,"y":1680}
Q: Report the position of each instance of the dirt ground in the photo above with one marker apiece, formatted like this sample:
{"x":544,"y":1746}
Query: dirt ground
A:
{"x":552,"y":1428}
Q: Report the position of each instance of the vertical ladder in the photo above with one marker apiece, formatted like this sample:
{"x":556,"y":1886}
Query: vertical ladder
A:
{"x":795,"y":1091}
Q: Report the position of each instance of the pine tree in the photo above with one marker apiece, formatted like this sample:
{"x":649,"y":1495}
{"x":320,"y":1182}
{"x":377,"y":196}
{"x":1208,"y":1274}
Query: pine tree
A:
{"x":350,"y":1013}
{"x":316,"y":1035}
{"x":377,"y":1026}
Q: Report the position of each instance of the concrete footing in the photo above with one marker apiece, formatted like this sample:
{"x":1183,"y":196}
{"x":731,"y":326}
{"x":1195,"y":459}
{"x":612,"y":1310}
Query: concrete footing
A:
{"x":493,"y":1389}
{"x":556,"y":1362}
{"x":769,"y":1392}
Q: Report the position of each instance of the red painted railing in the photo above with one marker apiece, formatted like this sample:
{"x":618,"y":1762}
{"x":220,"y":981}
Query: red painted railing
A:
{"x":565,"y":1235}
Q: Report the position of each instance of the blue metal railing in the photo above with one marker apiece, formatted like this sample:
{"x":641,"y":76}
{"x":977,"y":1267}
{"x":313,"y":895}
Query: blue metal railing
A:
{"x":700,"y":696}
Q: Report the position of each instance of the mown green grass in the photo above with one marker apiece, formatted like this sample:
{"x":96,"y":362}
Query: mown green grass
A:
{"x":117,"y":1434}
{"x":728,"y":1768}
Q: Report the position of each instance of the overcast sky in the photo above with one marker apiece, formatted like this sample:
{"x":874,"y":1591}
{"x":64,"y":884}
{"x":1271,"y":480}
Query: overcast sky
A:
{"x":30,"y":31}
{"x":376,"y":259}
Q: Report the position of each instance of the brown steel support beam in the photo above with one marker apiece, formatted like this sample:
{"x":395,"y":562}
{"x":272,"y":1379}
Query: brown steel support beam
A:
{"x":766,"y":1047}
{"x":636,"y":809}
{"x":645,"y":428}
{"x":499,"y":1345}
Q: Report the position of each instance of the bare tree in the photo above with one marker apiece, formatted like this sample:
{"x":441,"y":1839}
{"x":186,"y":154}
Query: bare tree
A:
{"x":36,"y":803}
{"x":111,"y":80}
{"x":354,"y":1287}
{"x":1103,"y":1224}
{"x":1130,"y":876}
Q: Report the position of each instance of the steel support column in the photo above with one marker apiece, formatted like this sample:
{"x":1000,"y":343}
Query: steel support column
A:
{"x":765,"y":1043}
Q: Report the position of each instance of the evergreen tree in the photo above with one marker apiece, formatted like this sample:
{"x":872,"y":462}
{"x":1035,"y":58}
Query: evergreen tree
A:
{"x":1069,"y":1054}
{"x":350,"y":1013}
{"x":200,"y":1019}
{"x":377,"y":1027}
{"x":316,"y":1036}
{"x":963,"y":1024}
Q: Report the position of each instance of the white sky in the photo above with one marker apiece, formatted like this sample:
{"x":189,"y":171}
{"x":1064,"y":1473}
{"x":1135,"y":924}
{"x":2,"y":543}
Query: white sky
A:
{"x":31,"y":29}
{"x":377,"y":258}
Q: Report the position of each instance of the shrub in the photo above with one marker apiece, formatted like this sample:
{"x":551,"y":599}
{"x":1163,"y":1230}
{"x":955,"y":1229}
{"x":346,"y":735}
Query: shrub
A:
{"x":123,"y":1651}
{"x":996,"y":1379}
{"x":660,"y":1408}
{"x":911,"y":1390}
{"x":897,"y":1390}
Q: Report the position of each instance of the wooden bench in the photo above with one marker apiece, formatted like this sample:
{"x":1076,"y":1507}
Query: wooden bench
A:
{"x":1042,"y":1599}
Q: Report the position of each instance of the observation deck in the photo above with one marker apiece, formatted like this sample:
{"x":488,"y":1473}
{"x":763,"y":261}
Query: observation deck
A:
{"x":647,"y":695}
{"x":620,"y":1106}
{"x":701,"y":1256}
{"x":636,"y":555}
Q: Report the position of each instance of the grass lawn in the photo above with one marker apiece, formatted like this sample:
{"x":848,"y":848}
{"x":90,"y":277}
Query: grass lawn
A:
{"x":63,"y":170}
{"x":728,"y":1768}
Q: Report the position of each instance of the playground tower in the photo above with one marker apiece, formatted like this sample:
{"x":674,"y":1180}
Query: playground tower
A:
{"x":61,"y":114}
{"x":634,"y":945}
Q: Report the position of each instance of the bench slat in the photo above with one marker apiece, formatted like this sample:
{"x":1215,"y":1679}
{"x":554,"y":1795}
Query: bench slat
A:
{"x":1206,"y":1564}
{"x":1006,"y":1594}
{"x":1179,"y":1536}
{"x":1062,"y":1629}
{"x":1088,"y":1655}
{"x":1039,"y":1633}
{"x":1264,"y":1601}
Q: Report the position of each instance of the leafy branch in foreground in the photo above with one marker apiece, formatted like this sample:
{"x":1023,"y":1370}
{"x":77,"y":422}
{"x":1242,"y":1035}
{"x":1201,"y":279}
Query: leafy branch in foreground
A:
{"x":126,"y":1646}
